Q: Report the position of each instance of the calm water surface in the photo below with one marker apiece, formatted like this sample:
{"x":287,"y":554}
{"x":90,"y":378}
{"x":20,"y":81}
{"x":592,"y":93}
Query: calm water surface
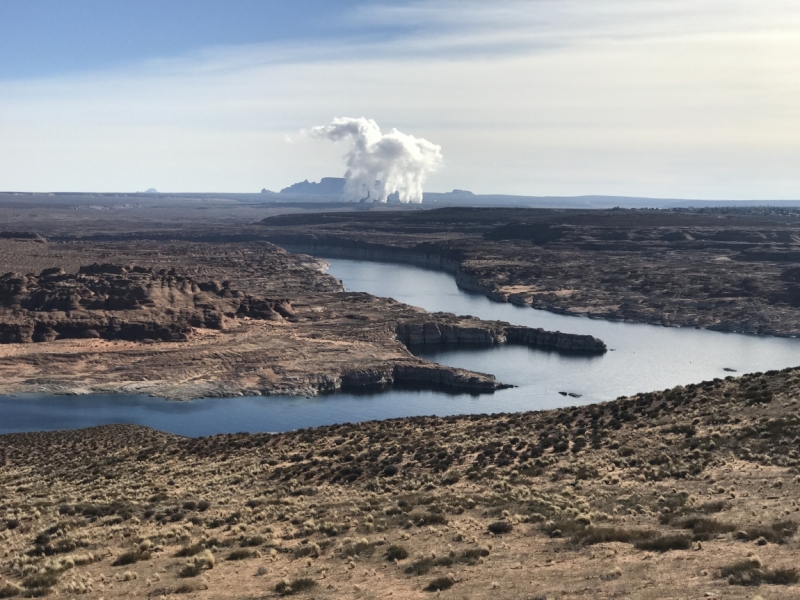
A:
{"x":645,"y":358}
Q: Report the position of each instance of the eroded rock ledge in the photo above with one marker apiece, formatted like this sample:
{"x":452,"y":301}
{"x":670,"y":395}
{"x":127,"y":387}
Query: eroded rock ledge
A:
{"x":421,"y":375}
{"x":486,"y":334}
{"x":117,"y":302}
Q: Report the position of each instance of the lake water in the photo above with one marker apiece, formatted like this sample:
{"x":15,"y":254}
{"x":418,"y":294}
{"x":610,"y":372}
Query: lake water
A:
{"x":644,"y":358}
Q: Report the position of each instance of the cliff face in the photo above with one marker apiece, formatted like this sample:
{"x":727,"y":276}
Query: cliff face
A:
{"x":487,"y":334}
{"x":724,"y":269}
{"x":418,"y":374}
{"x":117,"y":302}
{"x":567,"y":342}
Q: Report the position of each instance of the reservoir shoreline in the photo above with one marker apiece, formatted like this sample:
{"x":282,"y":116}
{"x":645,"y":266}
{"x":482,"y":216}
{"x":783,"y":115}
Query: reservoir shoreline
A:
{"x":643,"y":359}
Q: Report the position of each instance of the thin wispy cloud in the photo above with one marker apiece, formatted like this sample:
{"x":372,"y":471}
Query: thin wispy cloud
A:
{"x":472,"y":26}
{"x":679,"y":98}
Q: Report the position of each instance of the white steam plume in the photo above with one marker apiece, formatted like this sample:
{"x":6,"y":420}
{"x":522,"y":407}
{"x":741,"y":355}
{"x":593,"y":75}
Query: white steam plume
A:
{"x":380,"y":164}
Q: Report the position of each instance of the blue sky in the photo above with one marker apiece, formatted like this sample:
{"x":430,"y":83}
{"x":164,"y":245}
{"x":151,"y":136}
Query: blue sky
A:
{"x":50,"y":37}
{"x":669,"y":98}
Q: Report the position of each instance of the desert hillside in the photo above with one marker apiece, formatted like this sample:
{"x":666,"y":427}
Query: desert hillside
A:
{"x":686,"y":493}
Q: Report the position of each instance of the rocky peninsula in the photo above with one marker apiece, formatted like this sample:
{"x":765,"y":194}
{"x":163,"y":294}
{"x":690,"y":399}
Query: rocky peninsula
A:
{"x":181,"y":333}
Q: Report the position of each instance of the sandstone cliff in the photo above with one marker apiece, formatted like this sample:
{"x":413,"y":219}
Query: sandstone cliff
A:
{"x":117,"y":302}
{"x":421,"y":332}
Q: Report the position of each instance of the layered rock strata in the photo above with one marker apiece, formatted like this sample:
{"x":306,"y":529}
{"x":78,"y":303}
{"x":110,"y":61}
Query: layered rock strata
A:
{"x":117,"y":302}
{"x":419,"y":375}
{"x":431,"y":333}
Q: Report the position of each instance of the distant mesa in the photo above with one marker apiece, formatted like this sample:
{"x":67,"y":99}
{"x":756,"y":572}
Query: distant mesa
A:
{"x":334,"y":186}
{"x":266,"y":191}
{"x":327,"y":186}
{"x":149,"y":191}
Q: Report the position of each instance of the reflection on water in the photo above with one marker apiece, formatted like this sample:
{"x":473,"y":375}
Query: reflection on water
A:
{"x":225,"y":415}
{"x":645,"y":358}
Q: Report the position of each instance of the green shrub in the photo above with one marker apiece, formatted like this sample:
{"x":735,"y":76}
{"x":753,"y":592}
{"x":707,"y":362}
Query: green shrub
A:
{"x":250,"y":542}
{"x":359,"y":549}
{"x":190,"y":550}
{"x":287,"y":588}
{"x":192,"y":570}
{"x":603,"y":535}
{"x":128,"y":558}
{"x":9,"y":591}
{"x":664,"y":543}
{"x":439,"y":584}
{"x":240,"y":554}
{"x":40,"y":581}
{"x":777,"y":533}
{"x":500,"y":527}
{"x":395,"y":552}
{"x":748,"y":572}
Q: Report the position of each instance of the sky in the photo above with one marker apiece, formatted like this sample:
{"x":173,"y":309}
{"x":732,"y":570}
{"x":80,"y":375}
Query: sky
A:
{"x":658,"y":98}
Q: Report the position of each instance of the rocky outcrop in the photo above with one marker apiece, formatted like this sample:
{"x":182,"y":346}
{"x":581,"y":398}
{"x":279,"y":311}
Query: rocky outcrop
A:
{"x":490,"y":333}
{"x":556,"y":340}
{"x":458,"y":380}
{"x":117,"y":302}
{"x":432,"y":333}
{"x":421,"y":375}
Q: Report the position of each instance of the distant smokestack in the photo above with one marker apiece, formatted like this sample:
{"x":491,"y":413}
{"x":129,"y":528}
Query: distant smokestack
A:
{"x":379,"y":164}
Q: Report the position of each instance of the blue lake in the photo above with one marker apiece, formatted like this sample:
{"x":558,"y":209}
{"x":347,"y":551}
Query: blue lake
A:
{"x":644,"y":358}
